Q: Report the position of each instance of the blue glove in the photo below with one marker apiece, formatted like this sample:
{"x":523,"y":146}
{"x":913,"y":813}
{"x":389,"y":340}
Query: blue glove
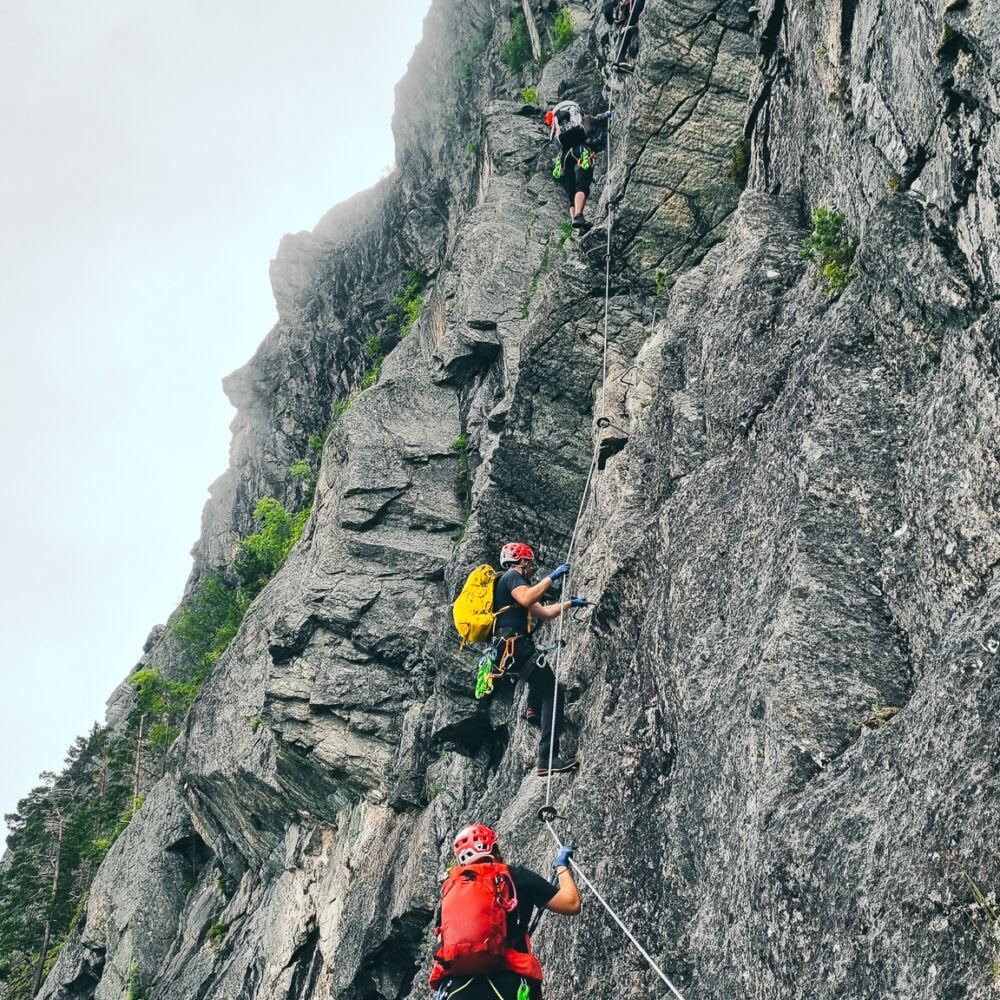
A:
{"x":579,"y":602}
{"x":562,"y":858}
{"x":607,"y":114}
{"x":558,"y":572}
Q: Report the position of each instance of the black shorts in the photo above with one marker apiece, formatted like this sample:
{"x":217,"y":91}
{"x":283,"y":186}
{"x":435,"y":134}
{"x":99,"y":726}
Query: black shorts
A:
{"x":575,"y":180}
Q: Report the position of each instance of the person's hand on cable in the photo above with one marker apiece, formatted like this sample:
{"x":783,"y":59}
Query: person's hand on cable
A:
{"x":562,"y":858}
{"x":558,"y":572}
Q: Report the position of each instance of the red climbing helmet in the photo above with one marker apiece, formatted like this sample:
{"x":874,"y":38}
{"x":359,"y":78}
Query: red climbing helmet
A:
{"x":514,"y":552}
{"x":473,"y":843}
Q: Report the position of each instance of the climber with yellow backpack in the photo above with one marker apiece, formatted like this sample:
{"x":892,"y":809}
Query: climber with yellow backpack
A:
{"x":580,"y":137}
{"x":506,"y":604}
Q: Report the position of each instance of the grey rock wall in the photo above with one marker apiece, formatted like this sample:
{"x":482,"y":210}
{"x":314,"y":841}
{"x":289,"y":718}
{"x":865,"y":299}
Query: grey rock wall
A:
{"x":790,"y":534}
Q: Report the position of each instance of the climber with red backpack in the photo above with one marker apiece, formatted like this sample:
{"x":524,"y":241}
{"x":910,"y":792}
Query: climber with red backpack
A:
{"x":580,"y":137}
{"x":484,"y":918}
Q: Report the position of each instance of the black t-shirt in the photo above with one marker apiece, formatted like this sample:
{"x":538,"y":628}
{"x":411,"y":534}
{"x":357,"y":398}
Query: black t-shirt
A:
{"x":515,"y":620}
{"x":533,"y":892}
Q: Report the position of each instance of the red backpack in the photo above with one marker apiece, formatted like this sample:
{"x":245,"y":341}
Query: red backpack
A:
{"x":475,"y":901}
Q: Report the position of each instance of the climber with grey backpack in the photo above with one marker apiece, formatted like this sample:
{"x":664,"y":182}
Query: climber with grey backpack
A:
{"x":581,"y":137}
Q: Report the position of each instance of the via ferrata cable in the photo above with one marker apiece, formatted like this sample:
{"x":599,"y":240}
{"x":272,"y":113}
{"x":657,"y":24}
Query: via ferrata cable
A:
{"x":614,"y":916}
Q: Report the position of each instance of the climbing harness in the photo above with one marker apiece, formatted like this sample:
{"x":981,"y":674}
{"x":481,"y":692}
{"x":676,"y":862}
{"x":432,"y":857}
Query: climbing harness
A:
{"x":493,"y":664}
{"x":547,"y":815}
{"x":523,"y":991}
{"x":583,"y":158}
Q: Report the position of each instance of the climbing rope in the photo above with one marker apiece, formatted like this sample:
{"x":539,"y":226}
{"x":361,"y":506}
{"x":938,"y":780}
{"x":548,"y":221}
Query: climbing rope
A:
{"x":614,"y":916}
{"x":559,"y":634}
{"x":547,"y":813}
{"x":602,"y":422}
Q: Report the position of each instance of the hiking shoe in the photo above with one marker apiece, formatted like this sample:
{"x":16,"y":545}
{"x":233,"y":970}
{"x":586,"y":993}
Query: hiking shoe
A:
{"x":580,"y":223}
{"x":558,"y":765}
{"x":533,"y":718}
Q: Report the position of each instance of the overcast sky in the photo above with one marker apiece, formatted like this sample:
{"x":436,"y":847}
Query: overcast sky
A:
{"x":154,"y":153}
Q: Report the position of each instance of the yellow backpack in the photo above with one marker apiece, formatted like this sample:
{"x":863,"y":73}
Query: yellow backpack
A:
{"x":473,"y":608}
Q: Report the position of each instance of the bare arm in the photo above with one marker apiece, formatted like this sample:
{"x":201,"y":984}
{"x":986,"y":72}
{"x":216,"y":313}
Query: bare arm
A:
{"x":567,"y":900}
{"x":528,"y":597}
{"x":549,"y":610}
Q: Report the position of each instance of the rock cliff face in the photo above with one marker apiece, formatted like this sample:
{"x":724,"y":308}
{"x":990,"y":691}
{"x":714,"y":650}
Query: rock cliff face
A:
{"x":791,"y":531}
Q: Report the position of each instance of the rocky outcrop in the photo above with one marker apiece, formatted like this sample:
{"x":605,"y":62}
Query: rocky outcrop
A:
{"x":785,"y":695}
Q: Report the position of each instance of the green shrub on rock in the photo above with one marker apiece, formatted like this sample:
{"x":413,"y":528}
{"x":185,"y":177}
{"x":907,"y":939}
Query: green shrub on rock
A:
{"x":260,"y":555}
{"x":563,"y":32}
{"x":739,"y":164}
{"x":516,"y":51}
{"x":831,"y":250}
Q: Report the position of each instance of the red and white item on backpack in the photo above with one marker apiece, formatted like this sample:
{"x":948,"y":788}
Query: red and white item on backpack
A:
{"x":565,"y":122}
